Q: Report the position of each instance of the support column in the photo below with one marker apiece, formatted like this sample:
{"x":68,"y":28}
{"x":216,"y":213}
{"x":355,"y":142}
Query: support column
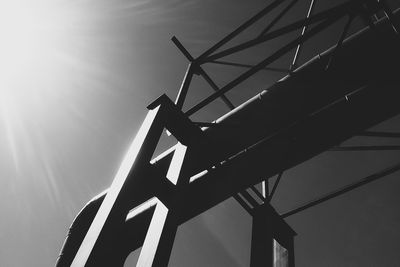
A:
{"x":133,"y":168}
{"x":271,"y":238}
{"x":261,"y":242}
{"x":157,"y":246}
{"x":160,"y":237}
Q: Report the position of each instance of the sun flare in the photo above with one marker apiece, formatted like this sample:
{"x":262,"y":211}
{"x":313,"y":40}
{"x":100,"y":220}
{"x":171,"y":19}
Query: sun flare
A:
{"x":27,"y":37}
{"x":36,"y":51}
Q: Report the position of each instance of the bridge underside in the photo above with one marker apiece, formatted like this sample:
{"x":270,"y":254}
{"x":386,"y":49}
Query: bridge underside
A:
{"x":304,"y":114}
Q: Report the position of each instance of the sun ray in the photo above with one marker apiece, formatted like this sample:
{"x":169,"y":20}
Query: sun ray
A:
{"x":45,"y":76}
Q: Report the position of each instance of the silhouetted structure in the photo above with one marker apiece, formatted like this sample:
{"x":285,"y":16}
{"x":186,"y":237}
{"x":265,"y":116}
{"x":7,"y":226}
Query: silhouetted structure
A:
{"x":336,"y":95}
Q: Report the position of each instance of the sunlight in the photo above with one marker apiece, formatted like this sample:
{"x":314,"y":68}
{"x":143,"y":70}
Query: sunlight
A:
{"x":35,"y":51}
{"x":28,"y":34}
{"x":30,"y":42}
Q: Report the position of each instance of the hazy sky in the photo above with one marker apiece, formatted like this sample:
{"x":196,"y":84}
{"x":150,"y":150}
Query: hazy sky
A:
{"x":76,"y":77}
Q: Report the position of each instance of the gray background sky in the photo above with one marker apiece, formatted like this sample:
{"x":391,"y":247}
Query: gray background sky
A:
{"x":68,"y":117}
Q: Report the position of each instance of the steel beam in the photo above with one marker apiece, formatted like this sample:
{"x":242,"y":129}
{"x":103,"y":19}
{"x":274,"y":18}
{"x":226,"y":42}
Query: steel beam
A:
{"x":271,"y":195}
{"x":341,"y":39}
{"x":365,"y":148}
{"x":137,"y":158}
{"x":255,"y":190}
{"x":261,"y":254}
{"x":317,"y":108}
{"x":303,"y":31}
{"x":183,"y":90}
{"x":133,"y":171}
{"x":159,"y":240}
{"x":269,"y":226}
{"x":241,"y":28}
{"x":260,"y":66}
{"x":265,"y":188}
{"x":379,"y":134}
{"x":343,"y":190}
{"x":243,"y":203}
{"x":278,"y":17}
{"x":195,"y":68}
{"x":313,"y":136}
{"x":333,"y":13}
{"x":246,"y":195}
{"x":247,"y":66}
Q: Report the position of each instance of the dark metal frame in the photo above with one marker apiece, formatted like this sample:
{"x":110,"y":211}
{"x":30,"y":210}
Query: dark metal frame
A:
{"x":165,"y":114}
{"x":351,"y":9}
{"x":363,"y":8}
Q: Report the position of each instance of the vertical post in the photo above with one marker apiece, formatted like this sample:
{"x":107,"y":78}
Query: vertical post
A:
{"x":291,"y":252}
{"x":194,"y":67}
{"x":160,"y":236}
{"x":261,"y":241}
{"x":267,"y":227}
{"x":389,"y":15}
{"x":134,"y":163}
{"x":303,"y":31}
{"x":265,"y":188}
{"x":180,"y":99}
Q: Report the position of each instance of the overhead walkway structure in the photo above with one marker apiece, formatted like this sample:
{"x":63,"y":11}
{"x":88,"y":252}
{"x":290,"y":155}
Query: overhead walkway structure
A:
{"x":334,"y":96}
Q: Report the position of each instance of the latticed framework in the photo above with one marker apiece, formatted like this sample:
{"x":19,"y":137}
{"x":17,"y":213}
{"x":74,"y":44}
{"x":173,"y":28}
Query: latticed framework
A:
{"x":283,"y":126}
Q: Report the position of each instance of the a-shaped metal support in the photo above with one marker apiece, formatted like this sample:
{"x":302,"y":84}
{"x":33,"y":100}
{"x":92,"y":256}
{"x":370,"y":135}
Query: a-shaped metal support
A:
{"x":132,"y":174}
{"x":160,"y":236}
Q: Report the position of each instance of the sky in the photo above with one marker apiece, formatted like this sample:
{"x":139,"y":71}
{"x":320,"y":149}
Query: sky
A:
{"x":76,"y":77}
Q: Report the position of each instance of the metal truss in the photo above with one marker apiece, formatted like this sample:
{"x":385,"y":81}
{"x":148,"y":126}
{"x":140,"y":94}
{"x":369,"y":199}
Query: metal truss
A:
{"x":206,"y":167}
{"x":366,"y":9}
{"x":162,"y":115}
{"x":250,"y":203}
